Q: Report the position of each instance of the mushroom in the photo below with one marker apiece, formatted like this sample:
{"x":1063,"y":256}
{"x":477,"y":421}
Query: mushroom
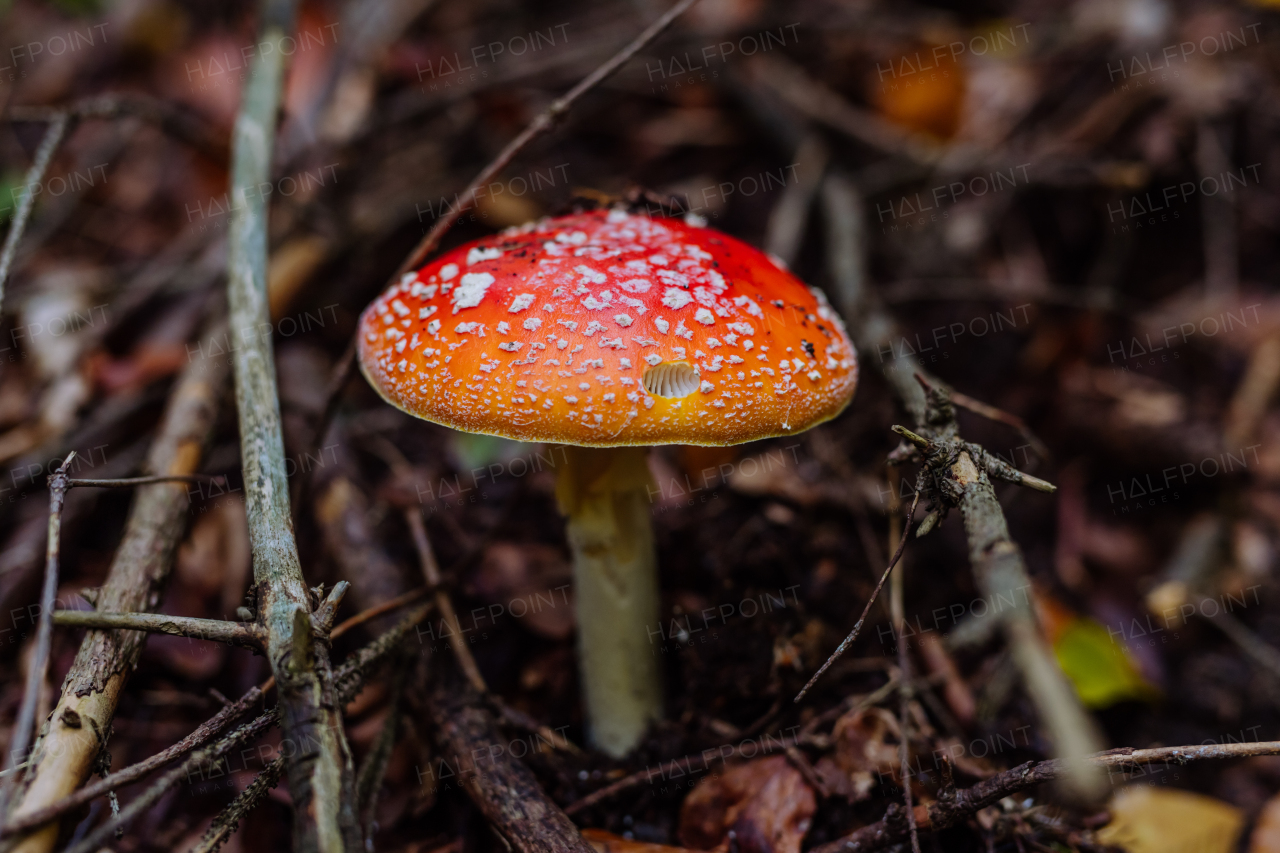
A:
{"x":607,"y":332}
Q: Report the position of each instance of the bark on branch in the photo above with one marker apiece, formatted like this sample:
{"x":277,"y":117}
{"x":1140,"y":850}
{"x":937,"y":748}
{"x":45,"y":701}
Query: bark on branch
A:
{"x":244,"y":634}
{"x":500,"y":785}
{"x":320,"y":776}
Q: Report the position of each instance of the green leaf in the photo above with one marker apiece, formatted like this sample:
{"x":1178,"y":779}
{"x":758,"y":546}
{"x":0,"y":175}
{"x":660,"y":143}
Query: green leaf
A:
{"x":1098,"y":666}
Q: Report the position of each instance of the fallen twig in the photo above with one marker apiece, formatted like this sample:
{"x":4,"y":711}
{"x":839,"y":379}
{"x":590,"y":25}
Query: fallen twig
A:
{"x":229,"y":818}
{"x":248,"y":635}
{"x":39,"y":671}
{"x":963,"y":803}
{"x":666,"y":769}
{"x":53,"y":135}
{"x":320,"y":776}
{"x":131,"y":482}
{"x":500,"y":785}
{"x":897,"y":612}
{"x":431,"y":571}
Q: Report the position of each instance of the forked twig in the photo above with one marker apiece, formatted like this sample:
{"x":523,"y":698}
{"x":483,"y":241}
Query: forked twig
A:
{"x":998,"y":565}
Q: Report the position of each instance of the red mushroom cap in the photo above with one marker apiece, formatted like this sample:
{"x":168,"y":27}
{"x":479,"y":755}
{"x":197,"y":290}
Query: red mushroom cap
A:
{"x":609,"y":328}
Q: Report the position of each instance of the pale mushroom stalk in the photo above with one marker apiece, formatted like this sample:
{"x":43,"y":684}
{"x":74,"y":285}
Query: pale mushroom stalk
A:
{"x":610,"y":332}
{"x":605,"y":493}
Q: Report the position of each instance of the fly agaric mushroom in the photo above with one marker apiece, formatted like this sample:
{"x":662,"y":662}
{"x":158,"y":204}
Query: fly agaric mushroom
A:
{"x":607,"y":332}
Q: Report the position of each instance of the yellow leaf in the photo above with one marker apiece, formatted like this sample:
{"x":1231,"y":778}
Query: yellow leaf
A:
{"x":1160,"y":820}
{"x":1099,"y":667}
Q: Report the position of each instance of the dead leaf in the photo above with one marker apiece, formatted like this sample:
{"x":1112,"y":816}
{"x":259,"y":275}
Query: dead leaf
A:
{"x":763,"y":806}
{"x":1160,"y":820}
{"x":834,"y":778}
{"x":863,"y":749}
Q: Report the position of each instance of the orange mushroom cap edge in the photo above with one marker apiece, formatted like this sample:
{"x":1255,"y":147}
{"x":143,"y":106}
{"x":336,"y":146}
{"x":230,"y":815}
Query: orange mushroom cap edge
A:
{"x":609,"y":328}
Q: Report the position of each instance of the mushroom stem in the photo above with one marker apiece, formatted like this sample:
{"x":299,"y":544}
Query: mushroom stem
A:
{"x":605,"y":493}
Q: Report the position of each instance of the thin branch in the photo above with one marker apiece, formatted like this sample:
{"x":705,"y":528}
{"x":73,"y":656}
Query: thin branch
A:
{"x":411,"y":597}
{"x":853,"y":635}
{"x":963,"y":803}
{"x":897,"y":612}
{"x":244,"y":634}
{"x":520,"y":719}
{"x":544,"y":122}
{"x":662,"y":771}
{"x":320,"y":779}
{"x":131,"y":482}
{"x":229,"y":818}
{"x":39,"y":671}
{"x":431,"y":571}
{"x":209,"y":755}
{"x":182,"y":124}
{"x":1262,"y":652}
{"x":998,"y":415}
{"x":52,"y":138}
{"x":790,"y":83}
{"x":374,"y":770}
